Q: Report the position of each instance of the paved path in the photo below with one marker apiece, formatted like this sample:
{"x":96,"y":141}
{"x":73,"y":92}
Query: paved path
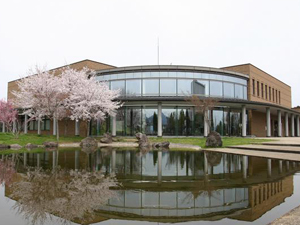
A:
{"x":271,"y":148}
{"x":291,"y":218}
{"x":264,"y":154}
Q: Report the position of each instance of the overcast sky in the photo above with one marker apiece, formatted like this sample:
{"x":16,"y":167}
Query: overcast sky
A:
{"x":214,"y":33}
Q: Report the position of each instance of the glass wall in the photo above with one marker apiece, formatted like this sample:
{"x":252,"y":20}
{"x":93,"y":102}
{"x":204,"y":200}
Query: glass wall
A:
{"x":176,"y":83}
{"x":169,"y":121}
{"x":150,"y":121}
{"x":181,"y":121}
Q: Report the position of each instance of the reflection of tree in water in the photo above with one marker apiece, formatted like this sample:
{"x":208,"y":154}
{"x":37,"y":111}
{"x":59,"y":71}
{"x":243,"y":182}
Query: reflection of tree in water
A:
{"x":70,"y":195}
{"x":7,"y":170}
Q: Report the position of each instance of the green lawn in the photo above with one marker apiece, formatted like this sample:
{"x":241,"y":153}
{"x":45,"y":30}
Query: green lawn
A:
{"x":7,"y":138}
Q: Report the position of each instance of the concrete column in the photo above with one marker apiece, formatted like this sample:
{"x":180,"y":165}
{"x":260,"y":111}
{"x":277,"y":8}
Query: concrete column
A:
{"x":287,"y":165}
{"x":114,"y":126}
{"x":293,"y":125}
{"x":279,"y":124}
{"x":54,"y":127}
{"x":26,"y":124}
{"x":205,"y":164}
{"x":280,"y":166}
{"x":286,"y":122}
{"x":298,"y":126}
{"x":39,"y":126}
{"x":77,"y":127}
{"x":268,"y":122}
{"x":206,"y":125}
{"x":159,"y":120}
{"x":159,"y":167}
{"x":3,"y":127}
{"x":269,"y":167}
{"x":244,"y":165}
{"x":244,"y":121}
{"x":294,"y":165}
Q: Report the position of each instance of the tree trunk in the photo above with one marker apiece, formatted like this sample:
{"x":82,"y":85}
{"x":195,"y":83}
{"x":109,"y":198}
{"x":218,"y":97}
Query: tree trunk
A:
{"x":88,"y":128}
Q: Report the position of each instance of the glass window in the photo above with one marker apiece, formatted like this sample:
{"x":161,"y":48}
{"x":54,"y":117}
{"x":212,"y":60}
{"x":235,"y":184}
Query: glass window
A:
{"x":205,"y":76}
{"x":169,"y":121}
{"x":146,"y":74}
{"x":200,"y":87}
{"x":47,"y":124}
{"x":118,"y":85}
{"x":121,"y":76}
{"x":164,"y":74}
{"x":167,"y":87}
{"x":189,"y":75}
{"x":172,"y":74}
{"x":257,"y":88}
{"x":185,"y":121}
{"x":184,"y":86}
{"x":253,"y":86}
{"x":199,"y":124}
{"x":133,"y":121}
{"x":228,"y":90}
{"x":113,"y":76}
{"x":216,"y":89}
{"x":181,"y":74}
{"x":133,"y":87}
{"x":217,"y":121}
{"x":245,"y":92}
{"x":137,"y":75}
{"x":197,"y":75}
{"x":150,"y":121}
{"x":120,"y":119}
{"x":238,"y":91}
{"x":155,"y":74}
{"x":150,"y":87}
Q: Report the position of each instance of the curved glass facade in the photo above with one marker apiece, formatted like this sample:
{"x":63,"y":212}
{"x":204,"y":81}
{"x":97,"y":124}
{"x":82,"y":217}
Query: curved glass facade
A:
{"x":177,"y":83}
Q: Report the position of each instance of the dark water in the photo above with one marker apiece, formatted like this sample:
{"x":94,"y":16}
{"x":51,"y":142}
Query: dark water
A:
{"x":111,"y":186}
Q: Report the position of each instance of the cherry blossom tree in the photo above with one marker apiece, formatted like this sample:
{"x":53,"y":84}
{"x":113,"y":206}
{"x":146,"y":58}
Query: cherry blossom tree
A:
{"x":41,"y":95}
{"x":88,"y":98}
{"x":8,"y":114}
{"x":74,"y":94}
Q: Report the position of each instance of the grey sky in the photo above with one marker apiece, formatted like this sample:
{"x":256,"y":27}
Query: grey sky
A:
{"x":124,"y":33}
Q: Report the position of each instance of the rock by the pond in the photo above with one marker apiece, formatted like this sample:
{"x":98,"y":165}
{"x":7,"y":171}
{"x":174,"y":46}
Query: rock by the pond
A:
{"x":214,"y":140}
{"x":15,"y":146}
{"x":164,"y":144}
{"x":4,"y":146}
{"x":89,"y":142}
{"x":50,"y":144}
{"x":107,"y":138}
{"x":143,"y":140}
{"x":214,"y":158}
{"x":30,"y":146}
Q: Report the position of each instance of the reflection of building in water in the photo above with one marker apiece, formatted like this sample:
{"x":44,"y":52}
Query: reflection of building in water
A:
{"x":183,"y":186}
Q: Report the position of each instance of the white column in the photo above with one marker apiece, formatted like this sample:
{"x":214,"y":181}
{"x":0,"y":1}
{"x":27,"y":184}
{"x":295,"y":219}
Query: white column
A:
{"x":279,"y":123}
{"x":269,"y":167}
{"x":54,"y":126}
{"x":287,"y":165}
{"x":159,"y":167}
{"x":244,"y":121}
{"x":244,"y":165}
{"x":286,"y":122}
{"x":293,"y":125}
{"x":26,"y":124}
{"x":206,"y":125}
{"x":77,"y":127}
{"x":280,"y":166}
{"x":268,"y":122}
{"x":3,"y":127}
{"x":113,"y":162}
{"x":39,"y":126}
{"x":114,"y":126}
{"x":159,"y":120}
{"x":298,"y":126}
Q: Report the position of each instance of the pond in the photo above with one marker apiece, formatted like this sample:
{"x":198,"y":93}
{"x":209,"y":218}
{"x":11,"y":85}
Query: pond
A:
{"x":117,"y":186}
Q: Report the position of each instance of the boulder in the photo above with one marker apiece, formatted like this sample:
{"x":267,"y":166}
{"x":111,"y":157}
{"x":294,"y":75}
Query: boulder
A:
{"x":4,"y":146}
{"x":214,"y":158}
{"x":107,"y":138}
{"x":89,"y":145}
{"x":164,"y":144}
{"x":142,"y":139}
{"x":214,"y":140}
{"x":30,"y":146}
{"x":50,"y":144}
{"x":15,"y":146}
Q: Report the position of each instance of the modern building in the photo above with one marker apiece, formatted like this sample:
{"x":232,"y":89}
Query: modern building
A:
{"x":249,"y":102}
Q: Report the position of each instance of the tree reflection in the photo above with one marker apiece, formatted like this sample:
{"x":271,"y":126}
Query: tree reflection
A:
{"x":70,"y":195}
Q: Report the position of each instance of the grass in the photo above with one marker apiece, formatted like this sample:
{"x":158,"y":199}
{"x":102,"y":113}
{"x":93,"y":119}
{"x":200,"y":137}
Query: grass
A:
{"x":7,"y":138}
{"x":200,"y":141}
